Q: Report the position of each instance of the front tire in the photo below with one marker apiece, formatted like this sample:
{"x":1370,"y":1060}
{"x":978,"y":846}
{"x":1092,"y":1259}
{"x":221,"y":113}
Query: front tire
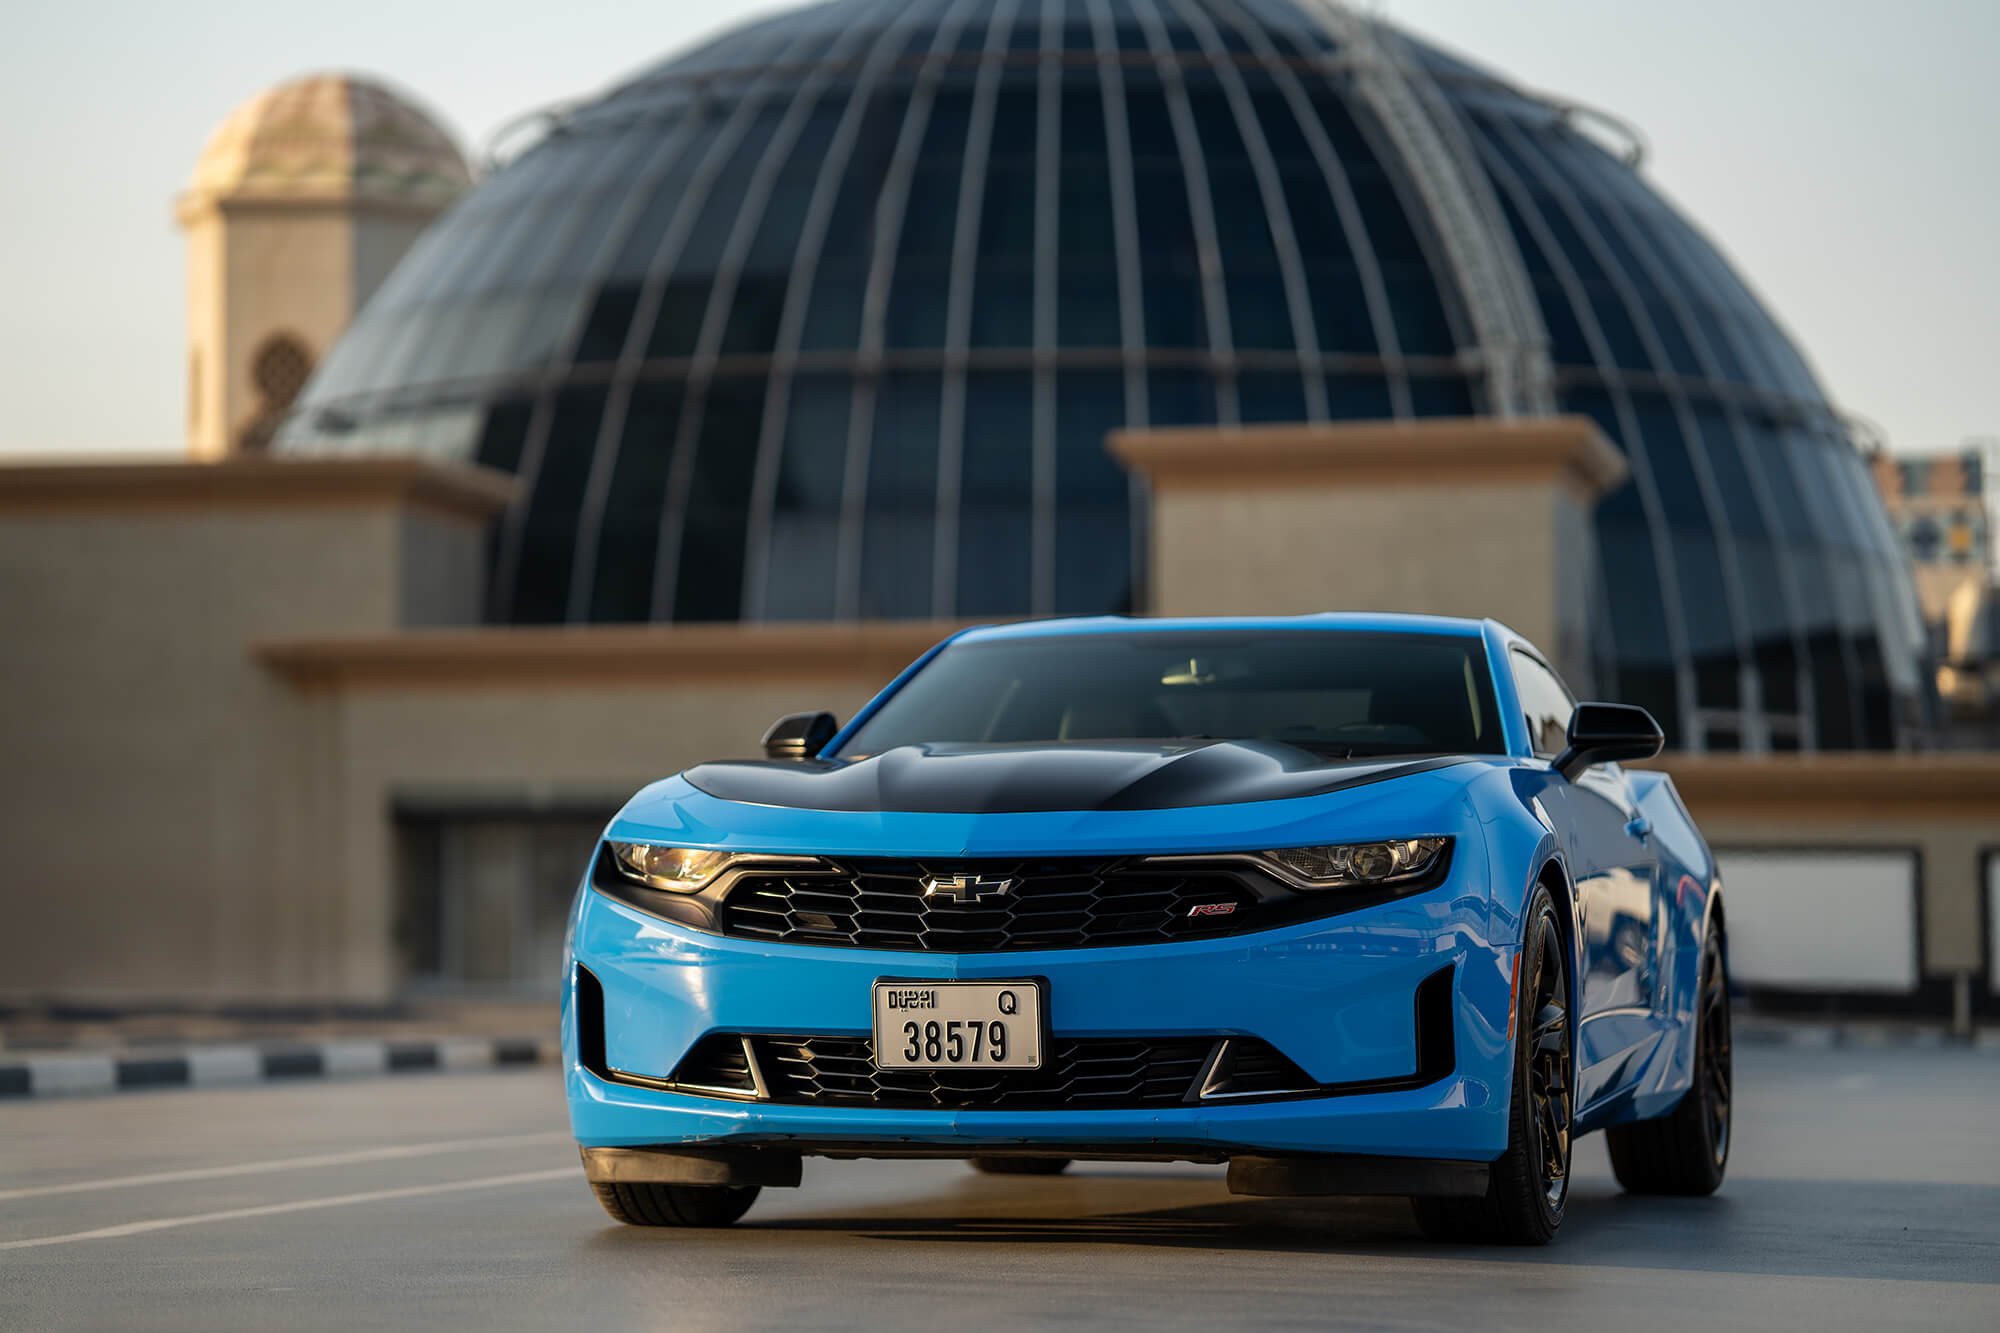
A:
{"x":1020,"y":1166}
{"x":1529,"y":1185}
{"x":650,"y":1205}
{"x":1686,"y":1151}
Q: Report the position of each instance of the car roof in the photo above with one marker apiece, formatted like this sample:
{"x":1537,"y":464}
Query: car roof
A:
{"x":1379,"y":622}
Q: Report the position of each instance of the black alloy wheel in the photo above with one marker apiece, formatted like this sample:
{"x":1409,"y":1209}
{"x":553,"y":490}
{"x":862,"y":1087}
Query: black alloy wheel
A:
{"x":1713,"y":1059}
{"x":1528,"y":1185}
{"x":1548,"y":1068}
{"x":1686,"y":1151}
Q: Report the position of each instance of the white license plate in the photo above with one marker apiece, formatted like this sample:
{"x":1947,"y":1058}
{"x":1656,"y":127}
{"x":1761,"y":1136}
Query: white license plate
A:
{"x":958,"y":1024}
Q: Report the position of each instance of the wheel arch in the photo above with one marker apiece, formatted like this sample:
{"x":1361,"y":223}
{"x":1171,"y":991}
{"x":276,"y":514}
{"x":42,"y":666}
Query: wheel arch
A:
{"x":1554,"y":876}
{"x":1715,"y":921}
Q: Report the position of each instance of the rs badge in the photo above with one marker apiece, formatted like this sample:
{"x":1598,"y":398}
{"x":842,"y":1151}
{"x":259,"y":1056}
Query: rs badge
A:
{"x":1211,"y":909}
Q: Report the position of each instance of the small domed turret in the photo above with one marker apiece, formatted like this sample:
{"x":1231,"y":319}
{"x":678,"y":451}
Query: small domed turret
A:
{"x":330,"y":135}
{"x":301,"y":202}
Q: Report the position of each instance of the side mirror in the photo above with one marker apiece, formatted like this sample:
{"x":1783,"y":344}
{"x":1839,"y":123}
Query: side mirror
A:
{"x":1605,"y":733}
{"x":799,"y":735}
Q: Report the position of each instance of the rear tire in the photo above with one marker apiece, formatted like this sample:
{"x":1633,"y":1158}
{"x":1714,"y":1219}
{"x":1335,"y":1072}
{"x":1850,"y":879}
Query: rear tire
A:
{"x":1529,"y":1184}
{"x":647,"y":1205}
{"x":1021,"y":1166}
{"x":1686,"y":1151}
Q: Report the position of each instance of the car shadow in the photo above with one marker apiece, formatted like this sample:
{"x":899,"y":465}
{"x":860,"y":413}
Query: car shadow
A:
{"x":1910,"y":1231}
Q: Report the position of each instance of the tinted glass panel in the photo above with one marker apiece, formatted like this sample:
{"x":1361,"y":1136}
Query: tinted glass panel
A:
{"x":548,"y":541}
{"x":1087,"y":290}
{"x":709,"y":583}
{"x":833,"y":317}
{"x":629,"y":548}
{"x":996,"y":492}
{"x":900,"y":530}
{"x":1093,"y":509}
{"x":805,"y":519}
{"x":762,"y":286}
{"x":1180,"y":398}
{"x":1168,"y":258}
{"x":1271,"y":395}
{"x":506,"y":431}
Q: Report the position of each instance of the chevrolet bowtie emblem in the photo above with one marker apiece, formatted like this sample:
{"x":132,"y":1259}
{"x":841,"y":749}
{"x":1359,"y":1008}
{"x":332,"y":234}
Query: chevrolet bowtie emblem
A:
{"x":966,"y":888}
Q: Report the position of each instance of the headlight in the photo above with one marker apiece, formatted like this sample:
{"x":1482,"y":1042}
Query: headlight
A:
{"x":679,"y":869}
{"x":1359,"y":864}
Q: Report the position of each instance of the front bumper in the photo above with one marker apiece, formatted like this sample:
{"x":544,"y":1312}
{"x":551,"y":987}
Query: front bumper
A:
{"x":1336,"y":995}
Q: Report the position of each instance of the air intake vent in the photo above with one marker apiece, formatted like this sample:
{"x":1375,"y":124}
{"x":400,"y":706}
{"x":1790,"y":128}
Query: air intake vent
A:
{"x":719,"y":1062}
{"x":1246,"y":1067}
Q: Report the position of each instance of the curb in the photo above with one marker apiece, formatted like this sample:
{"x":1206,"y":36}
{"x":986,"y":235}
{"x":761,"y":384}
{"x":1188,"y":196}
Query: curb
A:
{"x":241,"y":1065}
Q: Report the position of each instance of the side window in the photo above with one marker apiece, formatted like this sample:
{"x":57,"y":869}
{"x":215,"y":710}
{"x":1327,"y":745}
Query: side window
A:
{"x":1547,"y":703}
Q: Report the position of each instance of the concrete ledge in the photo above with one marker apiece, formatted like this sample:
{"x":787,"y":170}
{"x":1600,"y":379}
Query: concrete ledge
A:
{"x":253,"y":483}
{"x":872,"y":652}
{"x":1753,"y":1030}
{"x":74,"y":1075}
{"x":1447,"y":452}
{"x":1837,"y":785}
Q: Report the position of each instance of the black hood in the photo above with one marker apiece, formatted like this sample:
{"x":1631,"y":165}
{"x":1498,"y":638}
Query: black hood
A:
{"x":1016,"y":779}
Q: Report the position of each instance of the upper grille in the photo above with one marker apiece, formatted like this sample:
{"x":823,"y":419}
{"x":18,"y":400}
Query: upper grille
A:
{"x":881,"y":904}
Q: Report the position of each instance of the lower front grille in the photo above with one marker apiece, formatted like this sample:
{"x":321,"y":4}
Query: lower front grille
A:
{"x":1078,"y":1073}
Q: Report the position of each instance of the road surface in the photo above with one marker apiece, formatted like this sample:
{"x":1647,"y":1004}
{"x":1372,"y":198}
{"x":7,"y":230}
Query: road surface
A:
{"x":1865,"y":1194}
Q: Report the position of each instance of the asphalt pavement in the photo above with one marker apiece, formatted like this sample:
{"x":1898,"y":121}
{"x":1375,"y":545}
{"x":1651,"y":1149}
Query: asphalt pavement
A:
{"x":1865,"y":1193}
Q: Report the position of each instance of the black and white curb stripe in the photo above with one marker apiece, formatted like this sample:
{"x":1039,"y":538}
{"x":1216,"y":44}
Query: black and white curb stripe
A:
{"x":72,"y":1075}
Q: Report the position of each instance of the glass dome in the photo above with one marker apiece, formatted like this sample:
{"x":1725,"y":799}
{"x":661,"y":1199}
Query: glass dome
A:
{"x":828,"y":318}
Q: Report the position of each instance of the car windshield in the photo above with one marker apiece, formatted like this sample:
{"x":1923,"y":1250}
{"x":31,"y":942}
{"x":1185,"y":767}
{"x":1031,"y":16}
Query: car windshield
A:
{"x":1340,"y":693}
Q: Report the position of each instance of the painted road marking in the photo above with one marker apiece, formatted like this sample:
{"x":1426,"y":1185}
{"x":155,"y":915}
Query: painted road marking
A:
{"x":394,"y":1152}
{"x":302,"y":1205}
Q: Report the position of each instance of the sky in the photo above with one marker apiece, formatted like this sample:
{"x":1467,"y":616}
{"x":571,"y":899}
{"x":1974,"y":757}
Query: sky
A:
{"x":1840,"y":152}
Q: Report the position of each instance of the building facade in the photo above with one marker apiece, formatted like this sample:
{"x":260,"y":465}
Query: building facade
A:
{"x":1940,"y":506}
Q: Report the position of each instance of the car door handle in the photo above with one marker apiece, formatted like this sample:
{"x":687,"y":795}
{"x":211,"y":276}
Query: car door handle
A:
{"x":1638,"y":827}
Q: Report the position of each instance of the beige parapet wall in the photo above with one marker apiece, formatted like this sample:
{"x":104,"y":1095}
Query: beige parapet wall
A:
{"x":867,"y":654}
{"x":33,"y":489}
{"x":1445,"y":516}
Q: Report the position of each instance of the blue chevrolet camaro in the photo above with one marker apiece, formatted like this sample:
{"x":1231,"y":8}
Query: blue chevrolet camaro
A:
{"x":1358,"y":904}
